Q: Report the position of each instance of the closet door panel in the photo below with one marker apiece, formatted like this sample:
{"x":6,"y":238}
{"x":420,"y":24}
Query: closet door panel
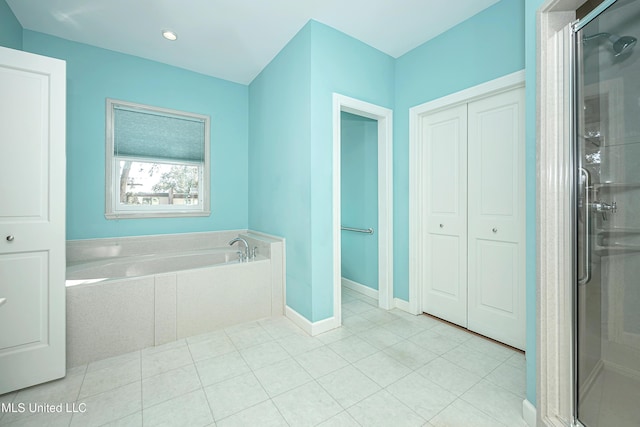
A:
{"x":445,"y":159}
{"x":496,"y":217}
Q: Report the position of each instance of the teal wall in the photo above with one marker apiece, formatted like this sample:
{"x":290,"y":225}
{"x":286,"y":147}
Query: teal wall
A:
{"x":343,"y":65}
{"x":10,"y":28}
{"x":280,"y":161}
{"x":359,"y":198}
{"x":94,"y":74}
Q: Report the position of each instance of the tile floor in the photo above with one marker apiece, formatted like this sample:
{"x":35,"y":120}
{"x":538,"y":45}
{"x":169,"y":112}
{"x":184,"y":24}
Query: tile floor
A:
{"x":380,"y":369}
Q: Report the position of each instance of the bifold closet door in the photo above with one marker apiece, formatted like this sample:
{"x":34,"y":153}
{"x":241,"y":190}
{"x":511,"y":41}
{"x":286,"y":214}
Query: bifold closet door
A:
{"x":496,"y":202}
{"x":444,"y":135}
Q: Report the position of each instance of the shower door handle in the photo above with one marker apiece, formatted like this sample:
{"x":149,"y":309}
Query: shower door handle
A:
{"x":586,"y":226}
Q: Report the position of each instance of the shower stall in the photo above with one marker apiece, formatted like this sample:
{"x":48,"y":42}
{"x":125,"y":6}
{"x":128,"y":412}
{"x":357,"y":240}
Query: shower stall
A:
{"x":606,"y":131}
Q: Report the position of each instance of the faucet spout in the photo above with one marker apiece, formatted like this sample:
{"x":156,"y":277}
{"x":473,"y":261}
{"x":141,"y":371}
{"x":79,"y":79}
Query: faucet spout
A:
{"x":246,"y":246}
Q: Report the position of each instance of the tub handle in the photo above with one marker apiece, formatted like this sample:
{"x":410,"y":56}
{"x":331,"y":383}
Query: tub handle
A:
{"x":2,"y":300}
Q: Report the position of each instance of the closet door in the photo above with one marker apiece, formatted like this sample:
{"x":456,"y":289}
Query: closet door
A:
{"x":496,"y":217}
{"x":32,"y":219}
{"x":445,"y":161}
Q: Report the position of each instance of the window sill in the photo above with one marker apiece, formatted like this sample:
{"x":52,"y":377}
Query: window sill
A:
{"x":143,"y":215}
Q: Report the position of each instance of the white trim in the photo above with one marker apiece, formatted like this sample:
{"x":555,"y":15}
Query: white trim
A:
{"x":384,"y":117}
{"x":529,"y":413}
{"x":113,"y":210}
{"x":404,"y":306}
{"x":492,"y":87}
{"x":311,"y":328}
{"x":555,"y":389}
{"x":416,"y":190}
{"x":360,"y":288}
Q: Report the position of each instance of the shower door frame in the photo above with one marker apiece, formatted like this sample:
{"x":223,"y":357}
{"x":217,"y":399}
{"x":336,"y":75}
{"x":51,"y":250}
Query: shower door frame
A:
{"x":555,"y":222}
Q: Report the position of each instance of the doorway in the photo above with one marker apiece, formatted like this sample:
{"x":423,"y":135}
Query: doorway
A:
{"x":364,"y":112}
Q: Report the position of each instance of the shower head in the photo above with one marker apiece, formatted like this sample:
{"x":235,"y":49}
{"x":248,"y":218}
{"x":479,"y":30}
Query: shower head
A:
{"x":620,"y":44}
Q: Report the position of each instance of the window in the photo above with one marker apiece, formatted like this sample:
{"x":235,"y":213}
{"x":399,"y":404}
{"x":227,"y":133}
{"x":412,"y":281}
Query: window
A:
{"x":157,"y":162}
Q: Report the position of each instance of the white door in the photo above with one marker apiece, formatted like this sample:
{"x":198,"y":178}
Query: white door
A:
{"x":32,"y":219}
{"x":444,"y":135}
{"x":496,"y":217}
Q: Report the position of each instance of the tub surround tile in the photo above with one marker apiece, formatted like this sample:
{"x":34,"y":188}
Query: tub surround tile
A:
{"x":165,"y":308}
{"x":109,"y":320}
{"x":245,"y":289}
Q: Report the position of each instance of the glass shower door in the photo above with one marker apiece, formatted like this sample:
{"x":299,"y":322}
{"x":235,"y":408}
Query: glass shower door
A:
{"x":608,"y":218}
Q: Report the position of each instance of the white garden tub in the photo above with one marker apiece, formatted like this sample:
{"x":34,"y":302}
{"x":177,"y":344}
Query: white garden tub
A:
{"x":117,"y":304}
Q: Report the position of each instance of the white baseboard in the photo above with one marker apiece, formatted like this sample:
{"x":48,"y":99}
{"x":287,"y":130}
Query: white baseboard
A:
{"x":404,"y":306}
{"x":360,"y":288}
{"x":529,"y":413}
{"x":311,"y":328}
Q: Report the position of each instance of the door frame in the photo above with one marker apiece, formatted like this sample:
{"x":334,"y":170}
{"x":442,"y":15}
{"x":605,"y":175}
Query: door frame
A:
{"x":417,"y":210}
{"x":384,"y":117}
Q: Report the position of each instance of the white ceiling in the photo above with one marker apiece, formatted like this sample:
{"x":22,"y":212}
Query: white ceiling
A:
{"x":235,"y":39}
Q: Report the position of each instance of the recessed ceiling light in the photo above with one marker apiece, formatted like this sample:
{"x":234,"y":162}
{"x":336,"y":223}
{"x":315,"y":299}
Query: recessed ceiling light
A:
{"x":169,"y":35}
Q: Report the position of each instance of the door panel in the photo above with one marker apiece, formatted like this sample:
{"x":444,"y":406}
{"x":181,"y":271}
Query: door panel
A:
{"x":32,"y":219}
{"x":25,"y":301}
{"x":445,"y":284}
{"x":496,"y":217}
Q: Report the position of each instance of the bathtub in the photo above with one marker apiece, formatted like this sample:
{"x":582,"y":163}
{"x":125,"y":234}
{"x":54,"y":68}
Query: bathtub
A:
{"x":150,"y":264}
{"x":121,"y":299}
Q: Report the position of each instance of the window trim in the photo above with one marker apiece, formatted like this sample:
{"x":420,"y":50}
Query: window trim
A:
{"x":111,"y":174}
